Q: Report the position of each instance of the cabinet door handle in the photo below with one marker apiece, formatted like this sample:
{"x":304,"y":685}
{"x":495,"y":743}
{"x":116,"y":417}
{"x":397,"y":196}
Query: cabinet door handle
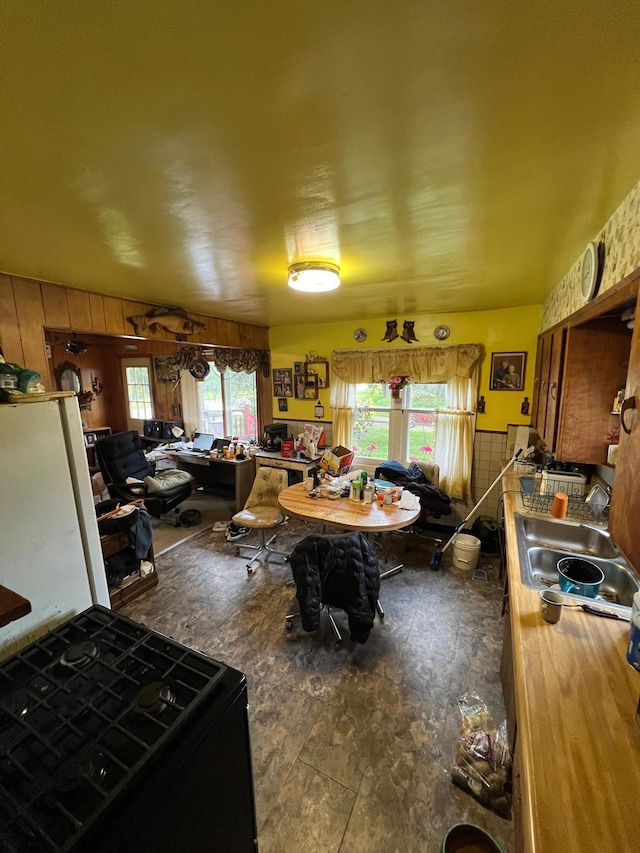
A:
{"x":553,"y":390}
{"x":629,"y":403}
{"x":544,"y":385}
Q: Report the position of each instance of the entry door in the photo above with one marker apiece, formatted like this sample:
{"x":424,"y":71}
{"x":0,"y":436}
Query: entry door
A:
{"x":136,"y":380}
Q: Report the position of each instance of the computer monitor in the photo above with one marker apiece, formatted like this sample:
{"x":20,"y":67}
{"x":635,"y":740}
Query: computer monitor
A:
{"x":273,"y":435}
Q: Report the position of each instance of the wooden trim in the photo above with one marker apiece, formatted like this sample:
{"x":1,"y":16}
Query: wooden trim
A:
{"x":626,"y":290}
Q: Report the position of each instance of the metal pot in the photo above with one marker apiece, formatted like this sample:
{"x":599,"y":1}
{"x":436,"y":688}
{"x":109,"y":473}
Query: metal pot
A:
{"x":579,"y":576}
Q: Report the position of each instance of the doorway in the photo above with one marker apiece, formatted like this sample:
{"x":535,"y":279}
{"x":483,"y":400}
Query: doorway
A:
{"x":136,"y":380}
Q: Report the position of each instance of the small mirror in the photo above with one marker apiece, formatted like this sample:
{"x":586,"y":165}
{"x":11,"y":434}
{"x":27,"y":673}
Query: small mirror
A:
{"x":68,"y":377}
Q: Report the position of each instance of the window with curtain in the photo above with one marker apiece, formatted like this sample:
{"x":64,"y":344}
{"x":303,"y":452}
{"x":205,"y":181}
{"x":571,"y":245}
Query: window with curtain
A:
{"x":228,"y":403}
{"x":382,"y":431}
{"x":454,"y":368}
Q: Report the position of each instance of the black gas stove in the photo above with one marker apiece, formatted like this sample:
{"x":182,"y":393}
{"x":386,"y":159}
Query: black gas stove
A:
{"x":113,"y":736}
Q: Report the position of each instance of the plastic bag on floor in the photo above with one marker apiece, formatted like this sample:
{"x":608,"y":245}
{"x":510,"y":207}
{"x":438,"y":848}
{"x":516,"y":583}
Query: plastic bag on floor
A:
{"x":483,"y":761}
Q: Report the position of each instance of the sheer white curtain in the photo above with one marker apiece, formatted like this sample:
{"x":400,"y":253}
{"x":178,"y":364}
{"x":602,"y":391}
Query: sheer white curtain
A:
{"x":458,"y":366}
{"x":342,"y":400}
{"x":454,"y":431}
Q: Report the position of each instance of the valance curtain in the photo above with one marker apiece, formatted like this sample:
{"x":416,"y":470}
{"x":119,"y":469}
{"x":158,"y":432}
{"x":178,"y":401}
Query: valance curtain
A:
{"x":458,"y":366}
{"x":238,"y":360}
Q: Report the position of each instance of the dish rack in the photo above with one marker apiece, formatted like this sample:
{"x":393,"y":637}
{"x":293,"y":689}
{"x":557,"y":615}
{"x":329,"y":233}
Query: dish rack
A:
{"x":577,"y":506}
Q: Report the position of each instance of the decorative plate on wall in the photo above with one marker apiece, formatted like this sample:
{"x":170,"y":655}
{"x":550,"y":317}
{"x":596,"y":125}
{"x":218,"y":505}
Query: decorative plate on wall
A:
{"x":441,"y":333}
{"x":360,"y":335}
{"x":589,"y":272}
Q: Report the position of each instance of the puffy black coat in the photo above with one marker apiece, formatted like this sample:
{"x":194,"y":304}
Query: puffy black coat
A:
{"x":341,"y":571}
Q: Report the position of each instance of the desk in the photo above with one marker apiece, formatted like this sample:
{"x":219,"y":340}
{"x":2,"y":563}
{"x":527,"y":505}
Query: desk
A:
{"x":276,"y":460}
{"x":240,"y":473}
{"x":345,"y":513}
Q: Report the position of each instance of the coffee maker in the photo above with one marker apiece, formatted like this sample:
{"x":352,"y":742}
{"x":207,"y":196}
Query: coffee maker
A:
{"x":273,"y":435}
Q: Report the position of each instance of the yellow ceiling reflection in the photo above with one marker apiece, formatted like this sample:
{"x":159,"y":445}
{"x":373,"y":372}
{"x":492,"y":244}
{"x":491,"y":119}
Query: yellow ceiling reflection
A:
{"x":447,"y":156}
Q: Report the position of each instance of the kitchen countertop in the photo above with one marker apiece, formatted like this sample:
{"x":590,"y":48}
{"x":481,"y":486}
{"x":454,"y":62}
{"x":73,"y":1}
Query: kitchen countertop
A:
{"x":12,"y":606}
{"x":578,"y":743}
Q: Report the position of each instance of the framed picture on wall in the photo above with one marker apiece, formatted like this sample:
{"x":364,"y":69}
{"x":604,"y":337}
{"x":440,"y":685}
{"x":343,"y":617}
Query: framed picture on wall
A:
{"x":297,"y":367}
{"x":282,"y":404}
{"x":507,"y":371}
{"x":282,"y":382}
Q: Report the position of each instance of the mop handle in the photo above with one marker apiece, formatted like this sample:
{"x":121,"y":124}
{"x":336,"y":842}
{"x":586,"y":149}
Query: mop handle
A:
{"x":466,"y":520}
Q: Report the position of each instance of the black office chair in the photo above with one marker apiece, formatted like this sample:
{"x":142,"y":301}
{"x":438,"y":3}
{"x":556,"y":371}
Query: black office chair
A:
{"x":120,"y":456}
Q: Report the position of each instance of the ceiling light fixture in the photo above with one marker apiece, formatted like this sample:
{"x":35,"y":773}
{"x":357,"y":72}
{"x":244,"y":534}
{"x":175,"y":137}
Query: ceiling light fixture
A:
{"x":314,"y":276}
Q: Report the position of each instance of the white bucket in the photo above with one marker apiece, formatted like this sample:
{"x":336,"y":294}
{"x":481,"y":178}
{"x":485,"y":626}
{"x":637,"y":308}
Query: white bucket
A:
{"x":466,"y":550}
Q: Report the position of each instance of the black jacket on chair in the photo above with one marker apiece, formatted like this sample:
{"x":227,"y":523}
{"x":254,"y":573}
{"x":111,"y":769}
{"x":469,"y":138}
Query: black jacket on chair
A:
{"x":341,"y":571}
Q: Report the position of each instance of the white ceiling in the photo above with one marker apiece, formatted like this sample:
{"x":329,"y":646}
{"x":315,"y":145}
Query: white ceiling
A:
{"x":448,"y":156}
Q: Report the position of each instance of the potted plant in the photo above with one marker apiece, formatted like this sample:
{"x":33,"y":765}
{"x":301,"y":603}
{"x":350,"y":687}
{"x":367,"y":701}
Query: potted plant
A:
{"x":396,"y":384}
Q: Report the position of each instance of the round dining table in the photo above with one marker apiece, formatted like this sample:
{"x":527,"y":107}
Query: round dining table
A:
{"x":345,"y":513}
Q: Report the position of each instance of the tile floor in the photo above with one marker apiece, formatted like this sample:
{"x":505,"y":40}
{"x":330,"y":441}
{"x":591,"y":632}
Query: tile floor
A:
{"x":352,"y":747}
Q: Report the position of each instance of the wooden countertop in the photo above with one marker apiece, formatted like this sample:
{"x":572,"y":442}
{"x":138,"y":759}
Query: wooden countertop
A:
{"x":577,"y":739}
{"x":12,"y":606}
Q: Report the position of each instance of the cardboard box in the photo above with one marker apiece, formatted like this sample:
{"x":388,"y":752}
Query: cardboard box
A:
{"x":336,"y":460}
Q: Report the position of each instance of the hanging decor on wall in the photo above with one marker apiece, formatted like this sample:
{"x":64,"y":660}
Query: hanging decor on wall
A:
{"x":96,"y":384}
{"x":391,"y":332}
{"x":176,"y":321}
{"x":507,"y":371}
{"x":166,"y":370}
{"x":408,"y":333}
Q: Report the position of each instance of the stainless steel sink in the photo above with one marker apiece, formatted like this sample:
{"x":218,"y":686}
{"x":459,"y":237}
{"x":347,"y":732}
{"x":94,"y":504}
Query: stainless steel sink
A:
{"x":541,"y":543}
{"x":578,"y":538}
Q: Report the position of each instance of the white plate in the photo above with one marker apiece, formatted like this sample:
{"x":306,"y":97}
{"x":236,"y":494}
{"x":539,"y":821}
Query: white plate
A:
{"x":589,"y":271}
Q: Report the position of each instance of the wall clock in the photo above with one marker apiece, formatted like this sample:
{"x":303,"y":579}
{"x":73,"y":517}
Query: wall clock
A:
{"x":441,"y":333}
{"x":589,"y":271}
{"x":360,"y":335}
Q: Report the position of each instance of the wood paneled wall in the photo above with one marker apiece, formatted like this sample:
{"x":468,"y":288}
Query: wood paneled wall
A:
{"x":32,"y":311}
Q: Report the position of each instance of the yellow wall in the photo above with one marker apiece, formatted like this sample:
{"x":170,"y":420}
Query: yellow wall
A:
{"x":504,"y":330}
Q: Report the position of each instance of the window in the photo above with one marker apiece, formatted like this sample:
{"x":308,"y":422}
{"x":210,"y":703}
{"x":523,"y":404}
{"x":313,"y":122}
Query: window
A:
{"x":139,"y":393}
{"x":407,"y":432}
{"x":228,"y":404}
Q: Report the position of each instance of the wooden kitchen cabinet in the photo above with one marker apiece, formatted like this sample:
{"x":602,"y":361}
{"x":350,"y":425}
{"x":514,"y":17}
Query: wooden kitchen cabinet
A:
{"x":625,"y":501}
{"x":596,"y":364}
{"x":548,"y":383}
{"x":580,"y":366}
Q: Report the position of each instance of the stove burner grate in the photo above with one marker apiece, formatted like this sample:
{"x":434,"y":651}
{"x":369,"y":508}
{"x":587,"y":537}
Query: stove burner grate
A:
{"x":82,"y":711}
{"x":154,"y":698}
{"x":79,"y":655}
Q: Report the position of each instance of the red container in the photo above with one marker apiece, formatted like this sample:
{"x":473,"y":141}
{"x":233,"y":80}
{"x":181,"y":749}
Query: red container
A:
{"x":286,"y":447}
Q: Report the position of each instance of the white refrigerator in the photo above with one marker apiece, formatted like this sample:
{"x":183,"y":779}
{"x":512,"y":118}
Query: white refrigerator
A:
{"x":49,"y":542}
